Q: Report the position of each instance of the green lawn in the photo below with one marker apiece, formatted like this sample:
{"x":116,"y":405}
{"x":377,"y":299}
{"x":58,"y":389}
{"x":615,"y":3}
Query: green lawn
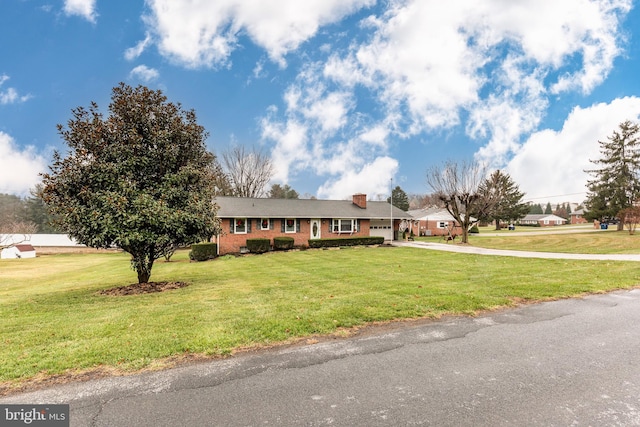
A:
{"x":55,"y":321}
{"x":605,"y":242}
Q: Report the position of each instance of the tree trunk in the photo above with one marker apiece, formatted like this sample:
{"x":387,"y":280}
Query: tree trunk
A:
{"x":142,"y":264}
{"x":465,"y":235}
{"x":143,"y":276}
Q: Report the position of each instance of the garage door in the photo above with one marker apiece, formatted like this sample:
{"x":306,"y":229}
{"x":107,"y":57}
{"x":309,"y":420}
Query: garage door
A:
{"x":381,"y":228}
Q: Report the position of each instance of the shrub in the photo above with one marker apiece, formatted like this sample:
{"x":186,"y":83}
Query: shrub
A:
{"x":347,"y":241}
{"x":203,"y":251}
{"x":282,"y":243}
{"x":258,"y":246}
{"x":474,"y":229}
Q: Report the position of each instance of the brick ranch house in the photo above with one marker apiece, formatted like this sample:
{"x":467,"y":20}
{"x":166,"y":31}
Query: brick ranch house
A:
{"x":303,"y":219}
{"x":434,"y":222}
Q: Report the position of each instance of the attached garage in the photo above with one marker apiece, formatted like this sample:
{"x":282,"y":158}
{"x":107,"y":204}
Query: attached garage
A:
{"x":380,"y":228}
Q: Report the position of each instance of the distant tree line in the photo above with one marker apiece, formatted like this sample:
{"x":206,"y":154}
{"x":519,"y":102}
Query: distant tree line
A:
{"x":562,"y":210}
{"x":29,"y":213}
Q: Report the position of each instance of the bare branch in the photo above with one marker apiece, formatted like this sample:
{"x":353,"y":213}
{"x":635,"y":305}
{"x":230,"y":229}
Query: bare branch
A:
{"x":16,"y":232}
{"x":249,"y":171}
{"x":457,"y":185}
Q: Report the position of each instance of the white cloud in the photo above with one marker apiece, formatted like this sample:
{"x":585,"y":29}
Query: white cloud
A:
{"x":291,"y":153}
{"x":83,"y":8}
{"x":144,"y":73}
{"x":10,"y":95}
{"x":430,"y":64}
{"x":319,"y":134}
{"x":19,"y":169}
{"x":134,"y":52}
{"x":372,"y":178}
{"x":202,"y":33}
{"x":552,"y":163}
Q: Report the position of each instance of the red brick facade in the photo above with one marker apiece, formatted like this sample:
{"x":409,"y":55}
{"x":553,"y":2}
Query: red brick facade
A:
{"x":233,"y":242}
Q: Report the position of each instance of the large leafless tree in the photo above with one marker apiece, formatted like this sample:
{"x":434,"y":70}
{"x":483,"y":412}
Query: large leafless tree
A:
{"x":457,"y":185}
{"x":249,"y":171}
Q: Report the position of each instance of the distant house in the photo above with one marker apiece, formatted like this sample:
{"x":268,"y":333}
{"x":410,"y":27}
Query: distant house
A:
{"x":577,"y":217}
{"x":434,"y":222}
{"x":18,"y":251}
{"x":303,"y":219}
{"x":543,"y":220}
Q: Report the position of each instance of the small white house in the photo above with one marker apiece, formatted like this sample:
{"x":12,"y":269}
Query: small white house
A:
{"x":543,"y":220}
{"x":18,"y":251}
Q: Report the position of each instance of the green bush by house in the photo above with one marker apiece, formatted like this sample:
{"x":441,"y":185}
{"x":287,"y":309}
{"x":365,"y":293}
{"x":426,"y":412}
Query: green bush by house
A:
{"x":474,"y":229}
{"x":282,"y":243}
{"x":203,"y":251}
{"x":258,"y":246}
{"x":347,"y":241}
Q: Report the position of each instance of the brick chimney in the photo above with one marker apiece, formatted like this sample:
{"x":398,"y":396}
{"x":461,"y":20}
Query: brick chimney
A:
{"x":360,"y":200}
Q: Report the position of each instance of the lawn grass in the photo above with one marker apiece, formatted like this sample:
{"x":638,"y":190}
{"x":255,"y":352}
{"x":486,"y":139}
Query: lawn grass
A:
{"x":54,"y":320}
{"x":605,"y":242}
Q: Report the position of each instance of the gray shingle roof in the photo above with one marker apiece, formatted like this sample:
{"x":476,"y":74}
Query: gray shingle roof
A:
{"x":540,"y":217}
{"x":240,"y":207}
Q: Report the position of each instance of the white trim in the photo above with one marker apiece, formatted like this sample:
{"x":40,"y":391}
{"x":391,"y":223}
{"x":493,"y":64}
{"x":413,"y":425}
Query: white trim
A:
{"x":235,"y":226}
{"x":286,"y":230}
{"x":262,"y":228}
{"x":337,"y":224}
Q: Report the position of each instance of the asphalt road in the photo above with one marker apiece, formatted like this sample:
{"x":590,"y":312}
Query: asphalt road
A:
{"x":572,"y":362}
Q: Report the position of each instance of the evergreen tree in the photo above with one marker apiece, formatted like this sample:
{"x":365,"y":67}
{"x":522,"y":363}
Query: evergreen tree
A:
{"x":36,"y":211}
{"x":548,"y":210}
{"x":535,"y":209}
{"x":615,"y":184}
{"x":140,"y":179}
{"x":400,"y":199}
{"x":504,"y":199}
{"x":282,"y":192}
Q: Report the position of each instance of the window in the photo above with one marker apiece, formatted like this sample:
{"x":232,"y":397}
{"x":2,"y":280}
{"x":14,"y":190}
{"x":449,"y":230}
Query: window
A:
{"x":344,"y":225}
{"x":240,"y":225}
{"x":265,"y":224}
{"x":443,"y":224}
{"x":289,"y":225}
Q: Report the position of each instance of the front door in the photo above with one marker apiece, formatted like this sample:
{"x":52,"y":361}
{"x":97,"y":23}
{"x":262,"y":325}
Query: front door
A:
{"x":315,"y":228}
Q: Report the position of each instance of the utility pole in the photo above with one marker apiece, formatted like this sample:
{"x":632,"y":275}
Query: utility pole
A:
{"x":391,"y":198}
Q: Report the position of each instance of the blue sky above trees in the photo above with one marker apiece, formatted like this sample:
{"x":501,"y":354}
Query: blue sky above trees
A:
{"x":343,"y":94}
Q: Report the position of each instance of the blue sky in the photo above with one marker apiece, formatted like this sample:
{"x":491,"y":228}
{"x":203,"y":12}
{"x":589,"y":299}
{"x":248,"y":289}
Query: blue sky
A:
{"x":345,"y":95}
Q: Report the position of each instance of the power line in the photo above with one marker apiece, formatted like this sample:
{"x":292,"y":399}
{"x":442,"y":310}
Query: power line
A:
{"x":557,"y":195}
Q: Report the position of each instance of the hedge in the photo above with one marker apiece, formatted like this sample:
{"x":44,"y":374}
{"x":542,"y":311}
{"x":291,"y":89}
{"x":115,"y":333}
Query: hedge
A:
{"x":258,"y":246}
{"x":282,"y":243}
{"x":203,"y":251}
{"x":346,"y":241}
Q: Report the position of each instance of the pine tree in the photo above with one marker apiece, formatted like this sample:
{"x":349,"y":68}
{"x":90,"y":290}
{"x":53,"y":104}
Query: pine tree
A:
{"x":503,"y":198}
{"x":548,"y":210}
{"x":536,"y":209}
{"x":616,"y":183}
{"x":400,"y":199}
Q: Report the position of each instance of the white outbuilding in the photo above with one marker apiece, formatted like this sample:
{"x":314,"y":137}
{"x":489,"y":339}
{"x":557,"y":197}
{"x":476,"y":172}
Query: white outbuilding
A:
{"x":18,"y":251}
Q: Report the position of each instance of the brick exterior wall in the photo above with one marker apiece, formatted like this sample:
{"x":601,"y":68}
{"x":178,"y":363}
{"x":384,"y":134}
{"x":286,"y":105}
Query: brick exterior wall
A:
{"x":233,"y":242}
{"x":578,"y":219}
{"x":432,"y":226}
